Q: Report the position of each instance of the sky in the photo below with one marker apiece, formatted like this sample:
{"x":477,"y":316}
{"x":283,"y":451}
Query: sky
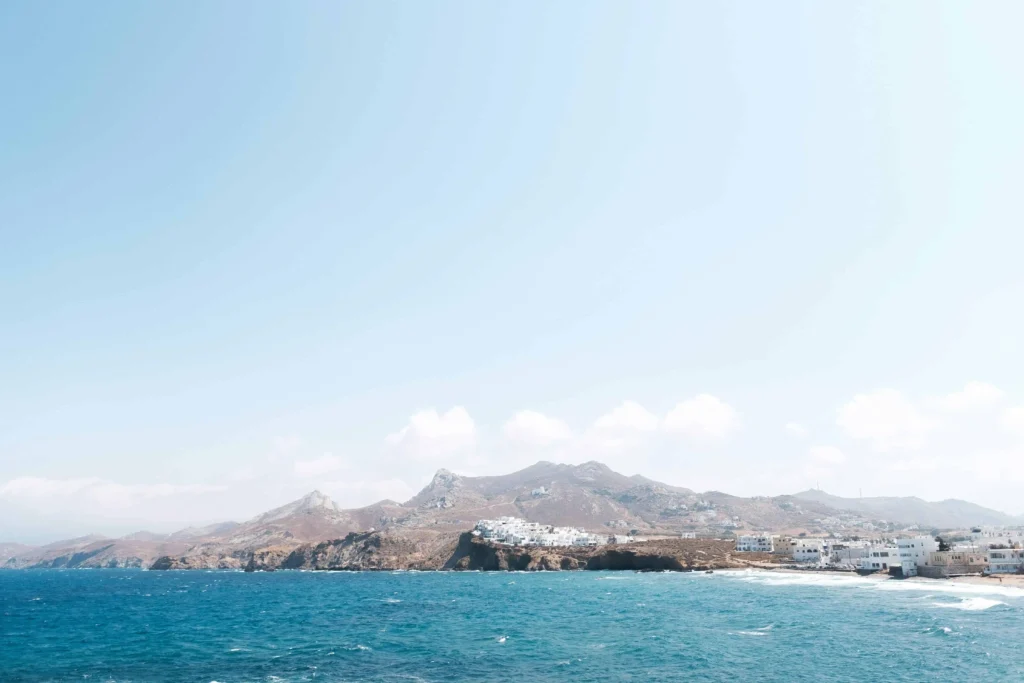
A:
{"x":248,"y":250}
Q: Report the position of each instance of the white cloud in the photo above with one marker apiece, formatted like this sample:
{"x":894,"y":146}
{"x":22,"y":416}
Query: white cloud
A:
{"x":796,"y":429}
{"x":915,"y":465}
{"x":628,"y":416}
{"x":535,"y":429}
{"x":885,"y":418}
{"x":1013,"y":420}
{"x":433,"y":434}
{"x":316,"y":467}
{"x":704,"y":416}
{"x":974,"y":395}
{"x":827,"y":454}
{"x":101,"y":491}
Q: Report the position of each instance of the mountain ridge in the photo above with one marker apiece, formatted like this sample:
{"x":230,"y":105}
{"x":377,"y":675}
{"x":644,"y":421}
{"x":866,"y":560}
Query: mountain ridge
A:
{"x":948,"y":513}
{"x":590,"y":495}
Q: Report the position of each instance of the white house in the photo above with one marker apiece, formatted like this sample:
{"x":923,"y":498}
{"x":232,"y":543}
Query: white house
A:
{"x":914,"y":552}
{"x":810,"y":550}
{"x":1005,"y":561}
{"x":762,"y":543}
{"x":848,"y":552}
{"x":880,"y":558}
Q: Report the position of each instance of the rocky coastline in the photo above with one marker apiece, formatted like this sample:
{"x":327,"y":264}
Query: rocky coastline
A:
{"x":379,"y":551}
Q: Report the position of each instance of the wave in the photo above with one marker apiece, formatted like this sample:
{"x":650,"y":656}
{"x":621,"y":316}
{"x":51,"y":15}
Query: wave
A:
{"x":748,"y":633}
{"x":938,"y":586}
{"x":970,"y":604}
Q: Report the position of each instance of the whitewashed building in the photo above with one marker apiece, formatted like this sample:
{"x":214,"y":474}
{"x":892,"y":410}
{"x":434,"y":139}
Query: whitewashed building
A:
{"x":880,"y":559}
{"x":810,"y":550}
{"x":848,"y":553}
{"x":914,"y":552}
{"x":1005,"y":561}
{"x":762,"y":543}
{"x":516,"y":531}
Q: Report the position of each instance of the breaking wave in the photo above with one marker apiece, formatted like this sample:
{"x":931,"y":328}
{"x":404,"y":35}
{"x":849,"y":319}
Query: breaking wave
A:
{"x":970,"y":604}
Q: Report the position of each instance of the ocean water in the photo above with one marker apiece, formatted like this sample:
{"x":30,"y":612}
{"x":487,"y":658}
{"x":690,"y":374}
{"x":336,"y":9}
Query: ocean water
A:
{"x":113,"y":625}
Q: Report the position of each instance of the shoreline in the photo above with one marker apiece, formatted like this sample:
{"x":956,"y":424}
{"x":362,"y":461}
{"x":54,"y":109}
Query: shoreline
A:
{"x":1009,"y":580}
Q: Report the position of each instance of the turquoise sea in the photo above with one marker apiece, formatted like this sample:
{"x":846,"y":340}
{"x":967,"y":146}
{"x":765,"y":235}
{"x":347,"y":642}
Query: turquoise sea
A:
{"x":113,"y":625}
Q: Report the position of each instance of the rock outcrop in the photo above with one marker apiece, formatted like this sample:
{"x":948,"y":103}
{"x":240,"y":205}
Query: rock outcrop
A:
{"x":367,"y":551}
{"x":196,"y":562}
{"x":473,"y":553}
{"x":382,"y":551}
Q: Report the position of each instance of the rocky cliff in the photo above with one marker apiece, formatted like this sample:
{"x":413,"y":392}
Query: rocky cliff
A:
{"x":376,"y":551}
{"x":365,"y":551}
{"x":473,"y":553}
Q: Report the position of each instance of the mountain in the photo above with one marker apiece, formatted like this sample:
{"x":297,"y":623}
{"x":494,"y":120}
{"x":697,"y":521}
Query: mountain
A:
{"x":94,"y":551}
{"x":591,"y":496}
{"x":946,"y":514}
{"x":9,"y":550}
{"x":595,"y":497}
{"x":314,"y":517}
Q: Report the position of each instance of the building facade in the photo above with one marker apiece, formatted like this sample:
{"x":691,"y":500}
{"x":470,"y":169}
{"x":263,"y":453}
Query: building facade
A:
{"x":810,"y":550}
{"x":763,"y":543}
{"x":945,"y":563}
{"x":914,"y":553}
{"x":880,"y":559}
{"x":1005,"y":561}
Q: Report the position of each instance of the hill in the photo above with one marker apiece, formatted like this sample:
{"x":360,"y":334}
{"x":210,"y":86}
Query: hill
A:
{"x":591,"y":496}
{"x":946,"y":514}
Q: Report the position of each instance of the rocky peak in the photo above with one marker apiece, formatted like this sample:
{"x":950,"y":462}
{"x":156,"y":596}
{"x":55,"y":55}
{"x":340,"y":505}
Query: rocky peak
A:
{"x":444,"y":479}
{"x":313,"y":503}
{"x":592,"y":469}
{"x":442,"y":491}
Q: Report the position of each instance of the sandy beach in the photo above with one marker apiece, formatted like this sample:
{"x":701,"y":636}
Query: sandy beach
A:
{"x":1015,"y":580}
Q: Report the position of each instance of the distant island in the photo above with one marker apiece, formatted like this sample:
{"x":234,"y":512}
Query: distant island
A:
{"x":642,"y":524}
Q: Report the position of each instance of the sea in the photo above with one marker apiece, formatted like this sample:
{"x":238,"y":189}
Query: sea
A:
{"x":204,"y":626}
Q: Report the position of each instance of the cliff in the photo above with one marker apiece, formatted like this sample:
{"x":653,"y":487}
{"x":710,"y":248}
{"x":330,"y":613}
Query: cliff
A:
{"x":383,"y":551}
{"x":197,"y":562}
{"x":372,"y":550}
{"x":473,"y":553}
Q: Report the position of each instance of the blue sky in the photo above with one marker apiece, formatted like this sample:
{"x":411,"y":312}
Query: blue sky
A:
{"x":244,"y":246}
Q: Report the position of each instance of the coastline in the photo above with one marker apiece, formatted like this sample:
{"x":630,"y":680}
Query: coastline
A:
{"x":1009,"y":580}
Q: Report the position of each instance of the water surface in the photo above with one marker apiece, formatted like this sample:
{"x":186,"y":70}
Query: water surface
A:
{"x":114,"y":625}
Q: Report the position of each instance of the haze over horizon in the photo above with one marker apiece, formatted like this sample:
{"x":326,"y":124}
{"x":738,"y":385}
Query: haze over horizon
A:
{"x":246,"y":255}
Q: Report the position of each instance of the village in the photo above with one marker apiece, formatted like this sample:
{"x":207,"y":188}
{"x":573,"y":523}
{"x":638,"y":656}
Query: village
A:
{"x":981,"y":551}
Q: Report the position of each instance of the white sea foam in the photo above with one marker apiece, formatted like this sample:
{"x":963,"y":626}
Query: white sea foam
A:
{"x":970,"y":604}
{"x":391,"y":601}
{"x":771,"y":578}
{"x":748,"y":633}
